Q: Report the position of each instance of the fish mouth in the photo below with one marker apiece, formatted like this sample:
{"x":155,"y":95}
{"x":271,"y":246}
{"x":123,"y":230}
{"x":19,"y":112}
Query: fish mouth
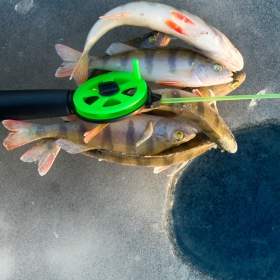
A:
{"x":209,"y":81}
{"x":227,"y":78}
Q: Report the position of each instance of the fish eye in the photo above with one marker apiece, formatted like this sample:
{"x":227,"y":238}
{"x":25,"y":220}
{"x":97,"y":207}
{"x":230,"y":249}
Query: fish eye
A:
{"x":235,"y":84}
{"x":178,"y":135}
{"x":217,"y":67}
{"x":152,"y":38}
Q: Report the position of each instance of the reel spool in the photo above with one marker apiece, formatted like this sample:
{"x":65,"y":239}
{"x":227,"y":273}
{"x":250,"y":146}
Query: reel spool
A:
{"x":112,"y":96}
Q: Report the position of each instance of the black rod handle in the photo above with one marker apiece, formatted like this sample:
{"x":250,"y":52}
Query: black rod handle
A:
{"x":35,"y":104}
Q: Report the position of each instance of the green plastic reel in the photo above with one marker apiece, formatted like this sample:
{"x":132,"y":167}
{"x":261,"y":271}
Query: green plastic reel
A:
{"x":109,"y":97}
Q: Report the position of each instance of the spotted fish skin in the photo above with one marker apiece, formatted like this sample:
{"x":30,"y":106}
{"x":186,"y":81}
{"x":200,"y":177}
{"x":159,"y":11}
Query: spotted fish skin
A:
{"x":191,"y":29}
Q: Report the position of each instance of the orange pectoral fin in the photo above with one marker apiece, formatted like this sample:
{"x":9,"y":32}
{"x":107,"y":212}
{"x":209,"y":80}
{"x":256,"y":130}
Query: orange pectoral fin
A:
{"x":174,"y":26}
{"x":197,"y":92}
{"x":90,"y":134}
{"x":116,"y":15}
{"x":182,"y":17}
{"x":71,"y":118}
{"x":171,"y":83}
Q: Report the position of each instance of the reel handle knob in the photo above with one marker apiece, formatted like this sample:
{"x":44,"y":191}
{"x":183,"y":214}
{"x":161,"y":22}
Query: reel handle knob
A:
{"x":108,"y":88}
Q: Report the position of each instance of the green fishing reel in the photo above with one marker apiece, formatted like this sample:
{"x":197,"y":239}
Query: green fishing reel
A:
{"x":112,"y":96}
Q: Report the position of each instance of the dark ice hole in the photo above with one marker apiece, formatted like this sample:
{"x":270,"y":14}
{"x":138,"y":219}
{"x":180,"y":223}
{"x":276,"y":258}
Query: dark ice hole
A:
{"x":225,"y":218}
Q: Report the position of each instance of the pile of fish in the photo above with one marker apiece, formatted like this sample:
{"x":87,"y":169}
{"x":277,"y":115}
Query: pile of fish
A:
{"x":157,"y":137}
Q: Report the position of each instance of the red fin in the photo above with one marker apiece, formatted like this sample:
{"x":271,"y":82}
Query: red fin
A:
{"x":67,"y":54}
{"x":158,"y":169}
{"x":116,"y":15}
{"x":80,"y":72}
{"x":20,"y":134}
{"x":70,"y":58}
{"x":44,"y":152}
{"x":70,"y":118}
{"x":90,"y":134}
{"x":197,"y":92}
{"x":182,"y":17}
{"x":63,"y":72}
{"x":14,"y":125}
{"x":171,"y":83}
{"x":174,"y":26}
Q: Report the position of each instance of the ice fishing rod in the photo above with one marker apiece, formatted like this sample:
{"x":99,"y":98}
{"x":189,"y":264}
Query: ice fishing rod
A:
{"x":103,"y":99}
{"x":218,"y":98}
{"x":106,"y":98}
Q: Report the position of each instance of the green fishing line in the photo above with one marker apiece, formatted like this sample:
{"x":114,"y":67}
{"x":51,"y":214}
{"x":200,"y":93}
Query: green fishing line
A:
{"x":218,"y":98}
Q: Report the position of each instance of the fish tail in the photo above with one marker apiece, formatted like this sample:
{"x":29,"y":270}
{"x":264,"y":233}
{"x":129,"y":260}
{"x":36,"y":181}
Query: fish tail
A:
{"x":21,"y":134}
{"x":44,"y":153}
{"x":80,"y":72}
{"x":70,"y":58}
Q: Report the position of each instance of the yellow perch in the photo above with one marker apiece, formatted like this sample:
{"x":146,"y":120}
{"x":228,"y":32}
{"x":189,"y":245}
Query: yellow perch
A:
{"x":179,"y":23}
{"x":140,"y":134}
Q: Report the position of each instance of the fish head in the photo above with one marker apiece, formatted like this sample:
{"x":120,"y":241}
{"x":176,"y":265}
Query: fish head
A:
{"x":228,"y":54}
{"x":207,"y":72}
{"x":150,"y":40}
{"x":173,"y":132}
{"x":160,"y":39}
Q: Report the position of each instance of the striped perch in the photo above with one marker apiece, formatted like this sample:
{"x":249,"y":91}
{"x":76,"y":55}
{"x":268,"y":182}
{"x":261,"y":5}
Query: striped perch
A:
{"x":120,"y":142}
{"x":151,"y":40}
{"x":140,"y":134}
{"x":202,"y":116}
{"x":206,"y":39}
{"x":167,"y":158}
{"x":171,"y":67}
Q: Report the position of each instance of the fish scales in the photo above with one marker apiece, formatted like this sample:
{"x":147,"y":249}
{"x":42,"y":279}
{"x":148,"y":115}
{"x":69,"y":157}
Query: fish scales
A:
{"x":178,"y":154}
{"x":203,"y":116}
{"x":147,"y":58}
{"x":130,"y":135}
{"x":150,"y":145}
{"x":124,"y":60}
{"x":172,"y":61}
{"x":186,"y":69}
{"x":119,"y":137}
{"x":204,"y":38}
{"x":107,"y":137}
{"x":149,"y":40}
{"x":149,"y":62}
{"x":223,"y":89}
{"x":218,"y":133}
